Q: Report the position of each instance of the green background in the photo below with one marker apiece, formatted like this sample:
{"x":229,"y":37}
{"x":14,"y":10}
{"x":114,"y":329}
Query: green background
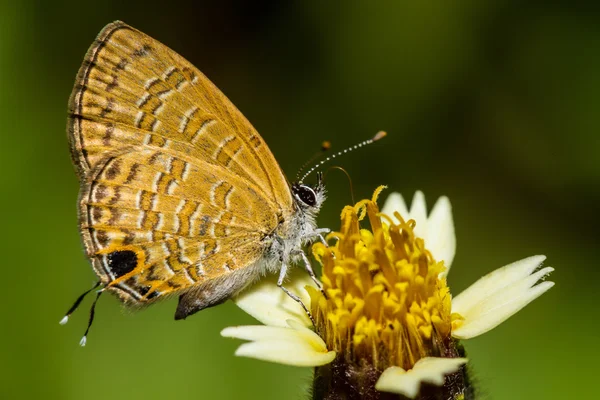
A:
{"x":493,"y":103}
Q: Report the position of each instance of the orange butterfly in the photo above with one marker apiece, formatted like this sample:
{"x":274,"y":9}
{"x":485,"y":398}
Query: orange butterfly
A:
{"x":179,"y":193}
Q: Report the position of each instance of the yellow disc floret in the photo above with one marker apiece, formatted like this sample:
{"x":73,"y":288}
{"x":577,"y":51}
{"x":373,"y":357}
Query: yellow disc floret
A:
{"x":386,"y":304}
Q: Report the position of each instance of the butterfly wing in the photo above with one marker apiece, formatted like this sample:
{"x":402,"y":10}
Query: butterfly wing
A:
{"x":178,"y":190}
{"x":156,"y":222}
{"x":133,"y":90}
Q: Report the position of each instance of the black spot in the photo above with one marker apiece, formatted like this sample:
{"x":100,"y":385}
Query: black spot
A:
{"x":143,"y":291}
{"x":121,"y":262}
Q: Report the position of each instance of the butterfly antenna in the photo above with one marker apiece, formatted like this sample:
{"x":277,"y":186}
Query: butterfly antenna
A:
{"x":378,"y":136}
{"x":83,"y":340}
{"x":325,"y":146}
{"x":76,"y":304}
{"x":347,"y":176}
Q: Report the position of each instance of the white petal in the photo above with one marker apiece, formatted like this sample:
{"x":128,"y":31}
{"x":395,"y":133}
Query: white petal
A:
{"x":429,"y":369}
{"x":499,"y":295}
{"x":437,"y":230}
{"x":418,"y":212}
{"x":297,"y":346}
{"x":266,"y":302}
{"x":258,"y":332}
{"x":296,"y":331}
{"x":395,"y":202}
{"x":298,"y":354}
{"x":440,"y":239}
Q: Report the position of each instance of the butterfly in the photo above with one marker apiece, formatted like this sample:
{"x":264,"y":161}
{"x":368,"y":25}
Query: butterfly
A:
{"x":179,"y":194}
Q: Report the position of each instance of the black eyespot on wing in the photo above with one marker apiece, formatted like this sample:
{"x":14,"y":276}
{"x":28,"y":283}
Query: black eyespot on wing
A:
{"x":121,"y":262}
{"x":143,"y":290}
{"x":305,"y":194}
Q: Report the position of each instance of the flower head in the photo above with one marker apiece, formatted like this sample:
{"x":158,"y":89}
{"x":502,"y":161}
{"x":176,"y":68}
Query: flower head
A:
{"x":385,"y":301}
{"x":387,"y":321}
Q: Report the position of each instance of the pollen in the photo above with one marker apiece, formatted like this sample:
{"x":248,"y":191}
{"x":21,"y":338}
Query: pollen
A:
{"x":385,"y":302}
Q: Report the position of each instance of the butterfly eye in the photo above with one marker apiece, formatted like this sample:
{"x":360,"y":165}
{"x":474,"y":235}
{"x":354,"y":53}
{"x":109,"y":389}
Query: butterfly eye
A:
{"x":305,"y":194}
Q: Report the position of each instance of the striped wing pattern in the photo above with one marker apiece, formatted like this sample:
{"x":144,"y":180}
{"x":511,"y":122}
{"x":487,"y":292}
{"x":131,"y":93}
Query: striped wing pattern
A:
{"x":177,"y":188}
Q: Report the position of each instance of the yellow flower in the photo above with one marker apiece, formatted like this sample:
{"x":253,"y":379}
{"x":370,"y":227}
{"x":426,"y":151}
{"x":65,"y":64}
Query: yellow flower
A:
{"x":389,"y":322}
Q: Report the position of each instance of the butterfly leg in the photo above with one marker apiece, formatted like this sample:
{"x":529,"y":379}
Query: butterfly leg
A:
{"x":319,"y":233}
{"x":294,"y":297}
{"x":310,"y":271}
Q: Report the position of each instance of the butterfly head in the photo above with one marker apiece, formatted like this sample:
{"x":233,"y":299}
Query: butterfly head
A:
{"x":309,"y":197}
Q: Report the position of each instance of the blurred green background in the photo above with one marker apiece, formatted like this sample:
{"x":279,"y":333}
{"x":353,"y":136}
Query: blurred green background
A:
{"x":493,"y":103}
